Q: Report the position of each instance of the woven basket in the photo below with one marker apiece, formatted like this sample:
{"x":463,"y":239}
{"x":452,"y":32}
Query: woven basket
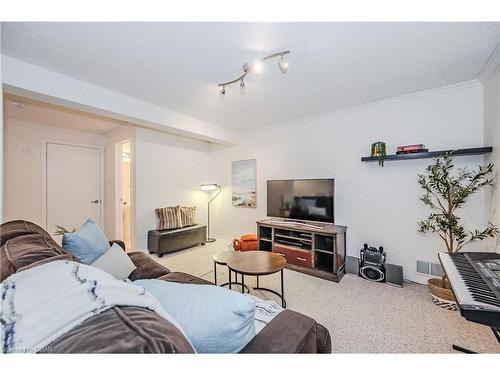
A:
{"x":442,"y":295}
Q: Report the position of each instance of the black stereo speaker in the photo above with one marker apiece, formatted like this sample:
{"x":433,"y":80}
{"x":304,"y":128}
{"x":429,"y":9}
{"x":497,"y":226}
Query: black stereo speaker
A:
{"x":372,"y":273}
{"x":372,"y":263}
{"x":351,"y":265}
{"x":394,"y":275}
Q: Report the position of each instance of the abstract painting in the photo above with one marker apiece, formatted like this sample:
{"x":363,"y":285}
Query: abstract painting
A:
{"x":244,"y":182}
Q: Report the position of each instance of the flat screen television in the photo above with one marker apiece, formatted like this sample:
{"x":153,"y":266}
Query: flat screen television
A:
{"x":303,"y":200}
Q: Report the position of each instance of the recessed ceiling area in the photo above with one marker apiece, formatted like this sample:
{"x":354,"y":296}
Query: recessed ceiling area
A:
{"x":35,"y":112}
{"x":332,"y":65}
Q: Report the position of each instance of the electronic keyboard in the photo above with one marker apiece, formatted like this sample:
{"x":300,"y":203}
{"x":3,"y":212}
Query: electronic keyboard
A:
{"x":475,"y":280}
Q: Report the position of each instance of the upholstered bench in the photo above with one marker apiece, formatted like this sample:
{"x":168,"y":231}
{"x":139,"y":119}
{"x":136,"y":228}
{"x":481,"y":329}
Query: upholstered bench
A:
{"x":170,"y":240}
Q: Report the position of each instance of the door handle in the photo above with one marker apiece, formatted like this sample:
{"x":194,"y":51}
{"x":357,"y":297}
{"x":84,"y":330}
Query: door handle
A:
{"x":96,"y":201}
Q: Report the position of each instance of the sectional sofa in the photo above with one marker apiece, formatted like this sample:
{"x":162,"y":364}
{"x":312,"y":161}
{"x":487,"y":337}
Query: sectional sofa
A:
{"x":137,"y":330}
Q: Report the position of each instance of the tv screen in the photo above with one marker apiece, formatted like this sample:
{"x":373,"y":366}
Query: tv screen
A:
{"x":310,"y":200}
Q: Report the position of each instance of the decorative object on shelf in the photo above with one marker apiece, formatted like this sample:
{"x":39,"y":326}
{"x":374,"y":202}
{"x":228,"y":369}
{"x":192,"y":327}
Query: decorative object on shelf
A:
{"x":433,"y":154}
{"x":445,"y":191}
{"x":256,"y":67}
{"x":244,"y":182}
{"x":411,"y":149}
{"x":210,"y":188}
{"x":379,"y":151}
{"x":372,"y":263}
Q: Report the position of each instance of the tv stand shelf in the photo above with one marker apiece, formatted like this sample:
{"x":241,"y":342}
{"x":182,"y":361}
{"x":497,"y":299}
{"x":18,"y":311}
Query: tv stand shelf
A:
{"x":316,"y":249}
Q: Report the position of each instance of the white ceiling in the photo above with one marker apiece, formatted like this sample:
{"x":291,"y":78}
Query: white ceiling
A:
{"x":32,"y":111}
{"x":332,"y":65}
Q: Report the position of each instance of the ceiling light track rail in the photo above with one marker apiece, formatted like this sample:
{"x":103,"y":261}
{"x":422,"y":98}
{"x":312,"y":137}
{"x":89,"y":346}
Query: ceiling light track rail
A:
{"x":255,"y":68}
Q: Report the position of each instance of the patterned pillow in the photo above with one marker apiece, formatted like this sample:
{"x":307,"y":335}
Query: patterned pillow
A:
{"x":188,"y":216}
{"x":170,"y":218}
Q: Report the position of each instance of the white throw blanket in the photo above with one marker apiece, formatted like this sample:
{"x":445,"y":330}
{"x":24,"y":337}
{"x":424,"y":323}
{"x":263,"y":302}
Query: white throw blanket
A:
{"x":265,"y":311}
{"x":40,"y":304}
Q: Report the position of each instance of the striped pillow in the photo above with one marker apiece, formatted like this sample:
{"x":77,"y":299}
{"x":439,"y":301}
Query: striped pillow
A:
{"x":188,"y":216}
{"x":170,"y":218}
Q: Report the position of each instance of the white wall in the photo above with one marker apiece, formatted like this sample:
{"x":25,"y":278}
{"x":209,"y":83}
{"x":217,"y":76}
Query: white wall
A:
{"x":168,"y":171}
{"x":380,"y":206}
{"x":24,"y":150}
{"x":168,"y":168}
{"x":492,"y":137}
{"x":37,"y":83}
{"x":121,"y":134}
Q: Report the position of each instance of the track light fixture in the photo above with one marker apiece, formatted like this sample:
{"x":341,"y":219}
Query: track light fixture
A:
{"x":283,"y":65}
{"x":256,"y":67}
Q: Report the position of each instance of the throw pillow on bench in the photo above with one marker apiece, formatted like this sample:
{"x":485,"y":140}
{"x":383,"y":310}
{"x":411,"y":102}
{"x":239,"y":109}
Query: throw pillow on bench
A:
{"x":175,"y":217}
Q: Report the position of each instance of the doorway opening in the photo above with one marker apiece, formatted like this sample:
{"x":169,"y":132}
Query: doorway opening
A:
{"x":123,"y":192}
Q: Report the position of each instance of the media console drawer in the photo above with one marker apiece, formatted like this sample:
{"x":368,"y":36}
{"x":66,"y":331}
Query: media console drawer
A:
{"x":297,"y":257}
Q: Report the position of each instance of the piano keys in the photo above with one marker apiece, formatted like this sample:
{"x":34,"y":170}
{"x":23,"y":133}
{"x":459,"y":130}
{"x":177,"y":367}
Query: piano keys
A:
{"x":475,"y":280}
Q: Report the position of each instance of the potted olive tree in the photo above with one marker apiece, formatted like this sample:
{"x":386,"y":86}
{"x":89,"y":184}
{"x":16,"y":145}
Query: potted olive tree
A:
{"x":446,"y":190}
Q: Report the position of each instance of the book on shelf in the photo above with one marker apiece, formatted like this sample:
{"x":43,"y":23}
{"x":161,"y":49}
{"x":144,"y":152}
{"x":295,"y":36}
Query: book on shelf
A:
{"x":415,"y":147}
{"x":412,"y":151}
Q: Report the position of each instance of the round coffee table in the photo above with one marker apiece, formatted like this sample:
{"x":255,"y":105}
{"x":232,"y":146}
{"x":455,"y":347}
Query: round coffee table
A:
{"x":257,"y":263}
{"x":221,"y":259}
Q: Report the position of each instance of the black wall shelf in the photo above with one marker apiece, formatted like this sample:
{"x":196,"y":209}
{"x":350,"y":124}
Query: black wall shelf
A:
{"x":432,"y":154}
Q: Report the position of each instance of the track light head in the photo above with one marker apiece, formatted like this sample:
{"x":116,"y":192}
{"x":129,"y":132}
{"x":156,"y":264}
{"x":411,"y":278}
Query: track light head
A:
{"x":223,"y":91}
{"x":283,"y":65}
{"x":257,"y":67}
{"x":242,"y":86}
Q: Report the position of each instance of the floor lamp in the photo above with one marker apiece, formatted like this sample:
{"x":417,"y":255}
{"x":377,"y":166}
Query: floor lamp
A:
{"x":211,"y":187}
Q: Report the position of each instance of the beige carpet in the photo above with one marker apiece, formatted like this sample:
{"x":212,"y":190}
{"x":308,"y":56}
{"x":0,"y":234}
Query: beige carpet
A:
{"x":362,"y":317}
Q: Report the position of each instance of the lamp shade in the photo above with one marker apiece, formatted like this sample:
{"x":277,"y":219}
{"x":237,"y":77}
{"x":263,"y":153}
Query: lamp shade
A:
{"x":209,"y":187}
{"x":283,"y":66}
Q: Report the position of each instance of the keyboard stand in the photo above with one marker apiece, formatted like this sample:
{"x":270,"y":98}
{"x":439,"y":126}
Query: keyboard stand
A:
{"x":496,"y":333}
{"x":463,"y":350}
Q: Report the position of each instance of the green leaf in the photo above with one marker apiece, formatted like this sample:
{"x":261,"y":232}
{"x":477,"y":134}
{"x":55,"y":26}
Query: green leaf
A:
{"x":446,"y":190}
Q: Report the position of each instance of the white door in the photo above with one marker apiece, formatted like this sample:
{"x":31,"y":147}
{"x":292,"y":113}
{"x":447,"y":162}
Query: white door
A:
{"x":73,"y":178}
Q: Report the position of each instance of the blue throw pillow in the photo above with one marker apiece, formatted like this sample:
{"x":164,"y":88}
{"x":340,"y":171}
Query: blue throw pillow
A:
{"x":215,"y":319}
{"x":87,"y":243}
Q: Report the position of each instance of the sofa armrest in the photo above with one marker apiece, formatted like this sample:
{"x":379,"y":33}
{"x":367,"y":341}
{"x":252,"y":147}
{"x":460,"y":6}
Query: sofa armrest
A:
{"x":291,"y":332}
{"x":184,"y":278}
{"x":120,"y":243}
{"x":147,"y":268}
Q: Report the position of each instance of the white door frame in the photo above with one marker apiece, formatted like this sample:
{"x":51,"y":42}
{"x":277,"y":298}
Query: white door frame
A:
{"x":118,"y":188}
{"x":45,"y":143}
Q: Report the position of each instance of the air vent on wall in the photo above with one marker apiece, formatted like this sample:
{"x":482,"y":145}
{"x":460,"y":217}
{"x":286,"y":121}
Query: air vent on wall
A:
{"x":436,"y":269}
{"x":428,"y":268}
{"x":422,"y":267}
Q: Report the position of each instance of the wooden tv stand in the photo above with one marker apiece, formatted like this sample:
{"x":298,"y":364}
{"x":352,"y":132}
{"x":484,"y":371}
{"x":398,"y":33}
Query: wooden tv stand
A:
{"x":313,"y":248}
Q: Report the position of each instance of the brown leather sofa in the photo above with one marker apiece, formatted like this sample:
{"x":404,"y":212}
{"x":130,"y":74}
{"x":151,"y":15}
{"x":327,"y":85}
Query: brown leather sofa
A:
{"x":137,"y":330}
